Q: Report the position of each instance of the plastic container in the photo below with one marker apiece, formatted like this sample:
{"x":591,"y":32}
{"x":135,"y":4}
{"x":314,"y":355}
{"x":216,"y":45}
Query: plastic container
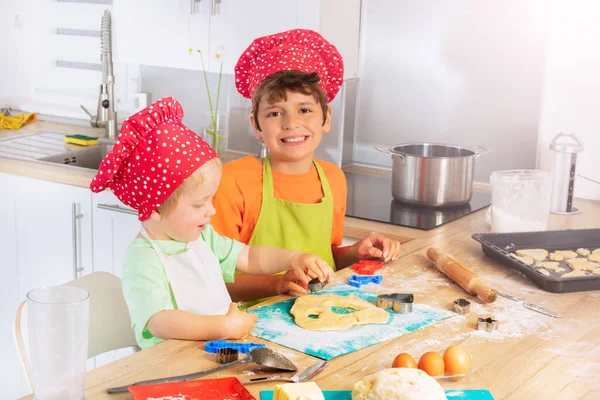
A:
{"x":520,"y":200}
{"x":58,"y":323}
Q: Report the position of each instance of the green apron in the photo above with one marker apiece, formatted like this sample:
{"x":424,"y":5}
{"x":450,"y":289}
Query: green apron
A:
{"x":294,"y":226}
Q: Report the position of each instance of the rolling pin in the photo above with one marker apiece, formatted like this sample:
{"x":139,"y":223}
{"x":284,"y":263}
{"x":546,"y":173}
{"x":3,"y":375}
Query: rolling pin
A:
{"x":461,"y":275}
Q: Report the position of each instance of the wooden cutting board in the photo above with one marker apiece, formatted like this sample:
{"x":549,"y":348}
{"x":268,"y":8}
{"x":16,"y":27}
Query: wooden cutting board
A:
{"x":276,"y":324}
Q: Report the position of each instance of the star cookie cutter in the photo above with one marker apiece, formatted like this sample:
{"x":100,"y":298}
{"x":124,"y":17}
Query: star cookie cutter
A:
{"x":462,"y":306}
{"x":487,"y":324}
{"x":400,"y":303}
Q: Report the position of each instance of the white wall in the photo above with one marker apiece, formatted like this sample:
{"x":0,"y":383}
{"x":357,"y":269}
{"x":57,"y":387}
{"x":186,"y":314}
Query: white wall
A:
{"x":571,"y":94}
{"x":466,"y":72}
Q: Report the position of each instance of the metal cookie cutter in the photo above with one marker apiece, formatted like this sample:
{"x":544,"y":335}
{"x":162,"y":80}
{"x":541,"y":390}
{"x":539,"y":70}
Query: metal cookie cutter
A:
{"x":317,"y":286}
{"x":487,"y":324}
{"x":400,"y":303}
{"x":462,"y":306}
{"x":227,"y":355}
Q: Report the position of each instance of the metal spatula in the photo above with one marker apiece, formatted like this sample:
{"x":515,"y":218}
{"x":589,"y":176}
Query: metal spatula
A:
{"x":302,"y":376}
{"x":261,"y":356}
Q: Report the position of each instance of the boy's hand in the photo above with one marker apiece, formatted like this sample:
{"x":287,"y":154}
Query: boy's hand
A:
{"x":290,"y":285}
{"x":239,"y":324}
{"x":309,"y":266}
{"x":376,"y":245}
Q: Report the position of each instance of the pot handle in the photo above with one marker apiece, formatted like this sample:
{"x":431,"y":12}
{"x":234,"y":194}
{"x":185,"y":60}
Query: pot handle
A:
{"x":390,"y":152}
{"x":479,"y":150}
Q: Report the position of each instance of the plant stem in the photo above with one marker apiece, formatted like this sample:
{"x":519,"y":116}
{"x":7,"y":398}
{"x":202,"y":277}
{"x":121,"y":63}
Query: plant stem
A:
{"x":217,"y":108}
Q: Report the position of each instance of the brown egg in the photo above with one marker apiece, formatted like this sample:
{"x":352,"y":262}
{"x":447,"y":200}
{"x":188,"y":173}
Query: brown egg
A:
{"x":404,"y":360}
{"x":456,"y":360}
{"x":432,"y":363}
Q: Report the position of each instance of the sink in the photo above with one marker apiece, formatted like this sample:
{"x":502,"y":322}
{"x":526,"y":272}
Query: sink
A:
{"x":89,"y":158}
{"x":50,"y":147}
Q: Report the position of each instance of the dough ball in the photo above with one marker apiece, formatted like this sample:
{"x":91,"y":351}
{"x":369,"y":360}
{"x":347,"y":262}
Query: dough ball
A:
{"x":398,"y":384}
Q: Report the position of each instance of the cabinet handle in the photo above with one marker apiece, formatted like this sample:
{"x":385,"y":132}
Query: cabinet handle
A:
{"x":215,"y":8}
{"x":195,"y":6}
{"x":117,"y":208}
{"x":74,"y":218}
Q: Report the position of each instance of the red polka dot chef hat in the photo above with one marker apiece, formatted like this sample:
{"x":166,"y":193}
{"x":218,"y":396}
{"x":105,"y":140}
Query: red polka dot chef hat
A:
{"x":299,"y":50}
{"x":152,"y":156}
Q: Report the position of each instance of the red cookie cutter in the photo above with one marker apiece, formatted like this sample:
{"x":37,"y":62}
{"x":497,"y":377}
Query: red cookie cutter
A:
{"x":367,"y":267}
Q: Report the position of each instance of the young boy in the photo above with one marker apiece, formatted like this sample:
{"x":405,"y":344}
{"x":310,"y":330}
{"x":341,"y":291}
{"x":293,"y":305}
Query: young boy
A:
{"x":175,"y":270}
{"x":290,"y":199}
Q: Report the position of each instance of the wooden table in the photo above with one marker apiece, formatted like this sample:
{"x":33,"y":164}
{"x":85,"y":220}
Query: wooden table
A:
{"x":532,"y":356}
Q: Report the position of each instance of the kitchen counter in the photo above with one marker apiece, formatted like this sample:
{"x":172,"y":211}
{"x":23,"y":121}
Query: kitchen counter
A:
{"x":531,"y":356}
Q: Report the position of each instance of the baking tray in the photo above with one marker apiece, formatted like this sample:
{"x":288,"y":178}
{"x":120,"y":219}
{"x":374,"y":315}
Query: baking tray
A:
{"x":500,"y":245}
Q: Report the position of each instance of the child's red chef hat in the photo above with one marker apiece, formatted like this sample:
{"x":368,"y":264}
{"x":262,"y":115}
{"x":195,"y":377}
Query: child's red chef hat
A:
{"x":153,"y":155}
{"x":298,"y":49}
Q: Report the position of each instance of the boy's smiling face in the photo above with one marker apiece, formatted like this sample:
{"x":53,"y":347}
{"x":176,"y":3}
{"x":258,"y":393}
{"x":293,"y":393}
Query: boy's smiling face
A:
{"x":292,"y":129}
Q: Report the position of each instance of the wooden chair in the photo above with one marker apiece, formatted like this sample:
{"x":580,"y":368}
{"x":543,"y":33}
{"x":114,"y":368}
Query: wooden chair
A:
{"x":110,"y":325}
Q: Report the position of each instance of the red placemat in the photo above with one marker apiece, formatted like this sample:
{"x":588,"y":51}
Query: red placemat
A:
{"x":203,"y":389}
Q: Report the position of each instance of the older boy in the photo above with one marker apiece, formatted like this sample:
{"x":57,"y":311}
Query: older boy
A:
{"x":290,"y":200}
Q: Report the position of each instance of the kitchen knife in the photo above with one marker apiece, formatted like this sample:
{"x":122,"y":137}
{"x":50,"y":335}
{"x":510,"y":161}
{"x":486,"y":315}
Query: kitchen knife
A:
{"x":531,"y":306}
{"x":462,"y":275}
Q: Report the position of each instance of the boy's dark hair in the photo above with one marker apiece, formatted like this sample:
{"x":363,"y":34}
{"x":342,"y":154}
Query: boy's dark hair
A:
{"x":276,"y":85}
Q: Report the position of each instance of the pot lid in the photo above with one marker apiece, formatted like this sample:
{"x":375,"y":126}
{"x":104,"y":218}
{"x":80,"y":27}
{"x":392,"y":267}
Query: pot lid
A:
{"x":573,"y":145}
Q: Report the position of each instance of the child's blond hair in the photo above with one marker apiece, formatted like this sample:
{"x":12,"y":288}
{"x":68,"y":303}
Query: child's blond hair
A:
{"x":195,"y":179}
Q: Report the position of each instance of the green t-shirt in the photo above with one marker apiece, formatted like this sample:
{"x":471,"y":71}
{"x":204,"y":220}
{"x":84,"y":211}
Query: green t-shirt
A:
{"x":145,"y":284}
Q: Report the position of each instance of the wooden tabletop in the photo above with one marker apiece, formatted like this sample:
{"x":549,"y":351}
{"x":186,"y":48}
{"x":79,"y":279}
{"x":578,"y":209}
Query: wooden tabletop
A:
{"x":531,"y":356}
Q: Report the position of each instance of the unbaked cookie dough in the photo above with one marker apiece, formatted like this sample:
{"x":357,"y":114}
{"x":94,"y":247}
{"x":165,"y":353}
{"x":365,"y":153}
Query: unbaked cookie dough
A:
{"x":320,"y":305}
{"x":525,"y":259}
{"x":553,"y":265}
{"x":594,"y":257}
{"x":536,"y":254}
{"x":583,"y":252}
{"x":398,"y":384}
{"x":564,"y":254}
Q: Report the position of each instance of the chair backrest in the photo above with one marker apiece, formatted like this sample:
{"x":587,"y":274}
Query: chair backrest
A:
{"x":110,"y":325}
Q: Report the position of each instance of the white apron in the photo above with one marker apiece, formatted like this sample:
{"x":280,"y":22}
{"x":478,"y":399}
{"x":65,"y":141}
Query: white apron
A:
{"x":196,"y":278}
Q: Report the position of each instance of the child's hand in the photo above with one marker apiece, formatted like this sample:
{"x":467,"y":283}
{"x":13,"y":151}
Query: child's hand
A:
{"x":309,"y":266}
{"x":290,"y":285}
{"x":376,"y":245}
{"x":239,"y":324}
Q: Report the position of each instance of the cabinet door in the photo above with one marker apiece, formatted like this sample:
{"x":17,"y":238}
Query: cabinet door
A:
{"x":115,"y":226}
{"x":53,"y":233}
{"x":12,"y":378}
{"x":238,"y":23}
{"x":159,"y":33}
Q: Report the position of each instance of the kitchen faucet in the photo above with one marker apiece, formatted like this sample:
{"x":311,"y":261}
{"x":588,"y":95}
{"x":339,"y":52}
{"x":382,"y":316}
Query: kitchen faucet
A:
{"x":106,"y":116}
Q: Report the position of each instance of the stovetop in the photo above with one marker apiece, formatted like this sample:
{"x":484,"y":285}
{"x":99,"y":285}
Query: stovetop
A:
{"x":370,"y":197}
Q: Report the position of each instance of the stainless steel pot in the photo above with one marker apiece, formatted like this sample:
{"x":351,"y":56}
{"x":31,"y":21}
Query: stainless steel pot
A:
{"x":433,"y":175}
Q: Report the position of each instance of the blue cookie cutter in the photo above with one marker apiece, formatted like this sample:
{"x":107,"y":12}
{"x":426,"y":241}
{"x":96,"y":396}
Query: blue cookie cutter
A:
{"x":214,"y":346}
{"x":359,"y":280}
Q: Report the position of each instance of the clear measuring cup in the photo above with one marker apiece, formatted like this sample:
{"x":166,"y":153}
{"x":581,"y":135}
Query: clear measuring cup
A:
{"x":520,"y":200}
{"x":58,"y":323}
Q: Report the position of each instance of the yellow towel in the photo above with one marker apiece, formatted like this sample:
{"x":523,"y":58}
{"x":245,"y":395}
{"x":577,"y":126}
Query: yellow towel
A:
{"x":16,"y":121}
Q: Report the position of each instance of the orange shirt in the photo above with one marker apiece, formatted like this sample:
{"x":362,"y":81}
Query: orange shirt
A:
{"x":239,"y":197}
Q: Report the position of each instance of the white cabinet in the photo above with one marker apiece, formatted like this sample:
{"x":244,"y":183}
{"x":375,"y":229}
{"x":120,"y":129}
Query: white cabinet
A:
{"x":229,"y":28}
{"x":115,"y":226}
{"x":159,"y":32}
{"x":45,"y":239}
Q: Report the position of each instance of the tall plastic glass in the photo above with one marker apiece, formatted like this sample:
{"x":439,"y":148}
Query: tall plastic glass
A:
{"x":520,"y":200}
{"x":58,"y":321}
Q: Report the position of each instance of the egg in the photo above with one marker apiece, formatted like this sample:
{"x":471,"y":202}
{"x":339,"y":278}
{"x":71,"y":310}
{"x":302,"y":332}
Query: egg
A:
{"x":432,"y":363}
{"x":404,"y":360}
{"x":456,"y":360}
